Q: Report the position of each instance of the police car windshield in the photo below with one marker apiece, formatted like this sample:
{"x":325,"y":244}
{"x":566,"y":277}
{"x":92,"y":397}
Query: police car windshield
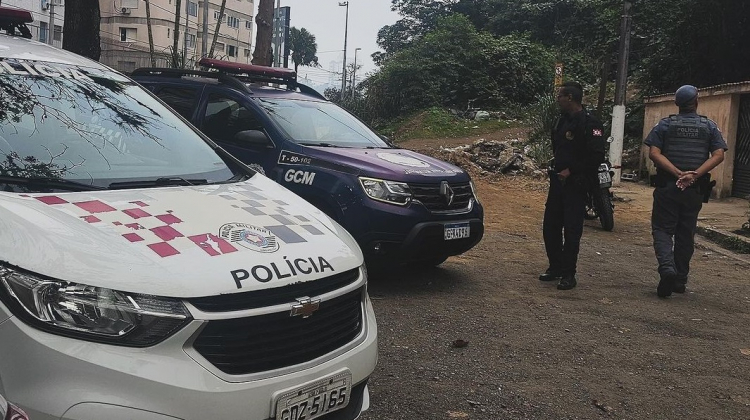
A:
{"x":320,"y":124}
{"x":92,"y":126}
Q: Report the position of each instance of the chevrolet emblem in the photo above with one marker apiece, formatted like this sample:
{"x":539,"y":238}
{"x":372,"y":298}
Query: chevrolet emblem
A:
{"x":305,"y":307}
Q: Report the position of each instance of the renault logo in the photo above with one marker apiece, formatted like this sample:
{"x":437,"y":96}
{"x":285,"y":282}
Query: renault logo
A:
{"x":305,"y":307}
{"x":447,"y":192}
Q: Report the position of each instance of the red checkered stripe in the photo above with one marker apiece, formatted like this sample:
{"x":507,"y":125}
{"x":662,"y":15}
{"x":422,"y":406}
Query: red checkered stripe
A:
{"x":137,"y":222}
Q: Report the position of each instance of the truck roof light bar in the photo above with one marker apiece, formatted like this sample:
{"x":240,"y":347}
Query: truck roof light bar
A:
{"x":240,"y":69}
{"x":12,"y":20}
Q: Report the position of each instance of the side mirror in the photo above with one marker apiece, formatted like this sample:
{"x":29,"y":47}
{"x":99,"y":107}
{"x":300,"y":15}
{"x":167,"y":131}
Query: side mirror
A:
{"x":252,"y":138}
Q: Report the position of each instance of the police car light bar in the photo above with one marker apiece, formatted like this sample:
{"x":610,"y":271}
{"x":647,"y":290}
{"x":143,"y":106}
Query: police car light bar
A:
{"x":249,"y":69}
{"x":16,"y":16}
{"x":12,"y":20}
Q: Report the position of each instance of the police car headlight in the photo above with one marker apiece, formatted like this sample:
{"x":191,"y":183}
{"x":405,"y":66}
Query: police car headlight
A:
{"x":91,"y":313}
{"x":388,"y":191}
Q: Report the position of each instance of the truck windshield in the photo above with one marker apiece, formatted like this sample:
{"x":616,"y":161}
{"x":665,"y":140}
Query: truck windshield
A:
{"x":320,"y":124}
{"x":92,"y":126}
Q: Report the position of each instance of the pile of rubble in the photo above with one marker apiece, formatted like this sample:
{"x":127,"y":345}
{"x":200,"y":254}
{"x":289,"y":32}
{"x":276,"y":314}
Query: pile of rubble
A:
{"x":488,"y":157}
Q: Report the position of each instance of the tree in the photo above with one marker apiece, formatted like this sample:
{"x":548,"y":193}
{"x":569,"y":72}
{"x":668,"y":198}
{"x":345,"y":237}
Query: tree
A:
{"x":263,"y":55}
{"x":82,"y":28}
{"x":150,"y":34}
{"x":303,"y":47}
{"x":218,"y":27}
{"x":176,"y":61}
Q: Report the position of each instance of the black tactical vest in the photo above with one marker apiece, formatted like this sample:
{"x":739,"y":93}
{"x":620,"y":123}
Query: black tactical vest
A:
{"x":688,"y":141}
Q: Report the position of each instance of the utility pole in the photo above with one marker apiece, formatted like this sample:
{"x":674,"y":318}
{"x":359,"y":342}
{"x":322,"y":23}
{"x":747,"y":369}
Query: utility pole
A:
{"x":185,"y":39}
{"x":51,"y":30}
{"x":346,"y":33}
{"x":354,"y":71}
{"x":204,"y":45}
{"x":277,"y":35}
{"x":618,"y":111}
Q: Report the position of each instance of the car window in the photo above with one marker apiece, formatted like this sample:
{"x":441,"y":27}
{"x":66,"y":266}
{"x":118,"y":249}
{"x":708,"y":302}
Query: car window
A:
{"x":93,"y":126}
{"x":181,"y":99}
{"x":226,"y":117}
{"x":314,"y":122}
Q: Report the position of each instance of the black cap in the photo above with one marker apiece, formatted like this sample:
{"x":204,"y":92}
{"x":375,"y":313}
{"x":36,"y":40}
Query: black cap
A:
{"x":685,"y":94}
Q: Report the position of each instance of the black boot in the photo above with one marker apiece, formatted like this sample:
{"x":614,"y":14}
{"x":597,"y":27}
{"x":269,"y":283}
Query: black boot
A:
{"x":666,"y":285}
{"x":549,"y":276}
{"x":567,"y":282}
{"x":679,"y":285}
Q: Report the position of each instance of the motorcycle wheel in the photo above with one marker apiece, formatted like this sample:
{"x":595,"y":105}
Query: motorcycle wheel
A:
{"x":606,"y":210}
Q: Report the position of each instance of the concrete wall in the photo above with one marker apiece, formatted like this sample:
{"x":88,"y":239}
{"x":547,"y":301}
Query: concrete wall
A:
{"x":721,"y":104}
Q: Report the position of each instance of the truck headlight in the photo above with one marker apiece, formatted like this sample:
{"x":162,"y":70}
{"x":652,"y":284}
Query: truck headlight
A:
{"x":388,"y":191}
{"x":91,"y":313}
{"x":474,"y":190}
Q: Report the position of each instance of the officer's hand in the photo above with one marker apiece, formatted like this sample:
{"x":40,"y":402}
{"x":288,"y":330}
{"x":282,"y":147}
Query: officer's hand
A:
{"x":686,"y":179}
{"x":564,"y":174}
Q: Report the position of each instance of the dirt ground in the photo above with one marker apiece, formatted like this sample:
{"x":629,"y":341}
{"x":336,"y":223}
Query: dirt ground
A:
{"x":607,"y":349}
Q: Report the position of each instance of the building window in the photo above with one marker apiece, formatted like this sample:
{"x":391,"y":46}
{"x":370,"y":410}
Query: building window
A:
{"x":223,"y":17}
{"x":43,"y":31}
{"x":233,"y":22}
{"x":169,"y":32}
{"x":247,"y":52}
{"x":190,"y":41}
{"x":127,"y":34}
{"x":249,"y":24}
{"x":232,"y":51}
{"x":193,"y":9}
{"x":57,"y":35}
{"x":219,"y":46}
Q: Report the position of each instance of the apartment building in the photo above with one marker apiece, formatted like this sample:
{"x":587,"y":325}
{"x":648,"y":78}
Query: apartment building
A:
{"x":47,"y":14}
{"x":124,"y":32}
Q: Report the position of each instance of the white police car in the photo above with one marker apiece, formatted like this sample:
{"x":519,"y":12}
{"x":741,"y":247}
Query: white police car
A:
{"x":146,"y":274}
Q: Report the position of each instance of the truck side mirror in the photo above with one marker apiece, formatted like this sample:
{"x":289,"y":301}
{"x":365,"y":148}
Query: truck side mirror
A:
{"x":253,"y":138}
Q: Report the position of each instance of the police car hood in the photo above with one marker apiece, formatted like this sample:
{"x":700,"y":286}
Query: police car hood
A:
{"x":175,"y":241}
{"x":391,"y":164}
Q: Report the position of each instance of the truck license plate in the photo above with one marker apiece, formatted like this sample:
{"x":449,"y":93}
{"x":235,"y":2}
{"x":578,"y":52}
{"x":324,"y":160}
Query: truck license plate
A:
{"x":311,"y":401}
{"x":456,"y":231}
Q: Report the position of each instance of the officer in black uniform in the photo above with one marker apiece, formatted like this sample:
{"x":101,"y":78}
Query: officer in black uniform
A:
{"x":578,"y":146}
{"x":684,"y":148}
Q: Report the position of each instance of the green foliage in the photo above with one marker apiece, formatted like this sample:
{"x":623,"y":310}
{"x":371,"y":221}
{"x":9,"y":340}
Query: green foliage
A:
{"x":439,"y":123}
{"x":304,"y":48}
{"x":453,"y":64}
{"x":541,"y":119}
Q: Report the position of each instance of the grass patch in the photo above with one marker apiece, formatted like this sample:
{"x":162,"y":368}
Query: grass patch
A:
{"x":730,"y":242}
{"x":439,"y":123}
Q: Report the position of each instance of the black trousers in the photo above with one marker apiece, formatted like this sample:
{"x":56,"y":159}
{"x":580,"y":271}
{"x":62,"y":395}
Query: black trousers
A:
{"x":563,"y":223}
{"x":673,"y":220}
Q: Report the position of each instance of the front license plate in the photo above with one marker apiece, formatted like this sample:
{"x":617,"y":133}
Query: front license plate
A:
{"x":314,"y":400}
{"x":456,"y":231}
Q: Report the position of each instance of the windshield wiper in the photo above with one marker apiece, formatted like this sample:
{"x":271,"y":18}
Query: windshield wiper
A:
{"x":158,"y":182}
{"x":322,"y":144}
{"x":50,"y":182}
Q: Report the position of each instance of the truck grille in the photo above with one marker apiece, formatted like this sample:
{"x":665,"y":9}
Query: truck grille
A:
{"x":429,"y":195}
{"x":275,"y":296}
{"x":261,"y":343}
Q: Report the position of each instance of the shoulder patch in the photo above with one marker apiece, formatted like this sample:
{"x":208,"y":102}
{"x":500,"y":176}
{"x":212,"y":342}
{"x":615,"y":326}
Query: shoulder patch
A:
{"x":596,"y":132}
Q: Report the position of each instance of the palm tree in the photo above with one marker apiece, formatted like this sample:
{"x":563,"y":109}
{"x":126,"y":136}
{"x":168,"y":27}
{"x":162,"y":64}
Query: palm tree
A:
{"x":303,"y":46}
{"x":175,"y":51}
{"x":150,"y":34}
{"x":218,"y":26}
{"x":264,"y":19}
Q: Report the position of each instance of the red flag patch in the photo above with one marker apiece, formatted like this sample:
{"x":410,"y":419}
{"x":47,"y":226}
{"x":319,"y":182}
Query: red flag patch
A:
{"x":597,"y":132}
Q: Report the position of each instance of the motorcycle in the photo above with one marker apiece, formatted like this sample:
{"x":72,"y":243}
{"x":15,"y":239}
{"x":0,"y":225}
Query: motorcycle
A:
{"x":599,"y":202}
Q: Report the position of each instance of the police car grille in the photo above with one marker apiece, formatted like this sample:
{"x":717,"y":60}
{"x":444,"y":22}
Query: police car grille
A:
{"x":267,"y":342}
{"x":275,"y":296}
{"x":429,"y":195}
